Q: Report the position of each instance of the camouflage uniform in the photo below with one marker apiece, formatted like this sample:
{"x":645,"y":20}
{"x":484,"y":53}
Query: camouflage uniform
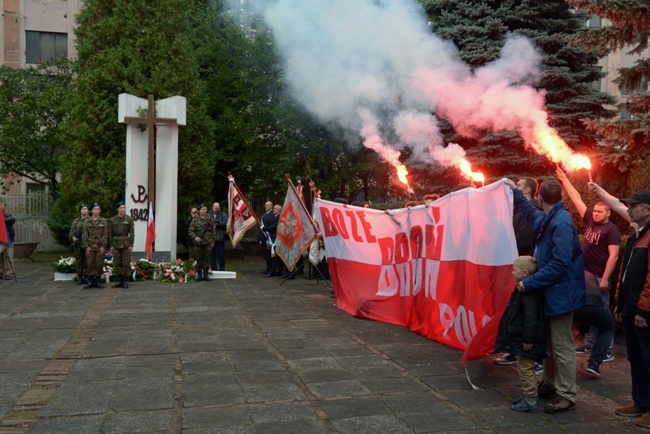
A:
{"x":76,"y":230}
{"x":95,"y":236}
{"x":202,"y":248}
{"x":120,"y":238}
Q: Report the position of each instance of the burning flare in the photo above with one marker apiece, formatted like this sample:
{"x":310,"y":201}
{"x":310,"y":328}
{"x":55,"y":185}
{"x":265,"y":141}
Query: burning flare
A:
{"x":466,"y":170}
{"x":548,"y":142}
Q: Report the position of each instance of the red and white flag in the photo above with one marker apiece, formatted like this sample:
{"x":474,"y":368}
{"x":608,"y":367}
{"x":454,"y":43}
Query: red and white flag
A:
{"x":444,"y":271}
{"x":4,"y":235}
{"x":241,"y":216}
{"x":295,"y":230}
{"x":151,"y":233}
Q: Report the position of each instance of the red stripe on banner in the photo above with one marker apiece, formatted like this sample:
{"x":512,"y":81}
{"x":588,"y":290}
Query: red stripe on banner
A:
{"x":446,"y":301}
{"x":4,"y":236}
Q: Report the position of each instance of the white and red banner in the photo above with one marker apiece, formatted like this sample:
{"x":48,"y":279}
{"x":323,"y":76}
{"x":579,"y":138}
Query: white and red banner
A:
{"x":240,"y":215}
{"x":443,"y":270}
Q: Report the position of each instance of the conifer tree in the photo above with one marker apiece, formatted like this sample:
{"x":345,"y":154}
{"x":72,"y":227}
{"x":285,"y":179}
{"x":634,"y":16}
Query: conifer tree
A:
{"x":479,"y":27}
{"x":627,"y":28}
{"x":139,"y":47}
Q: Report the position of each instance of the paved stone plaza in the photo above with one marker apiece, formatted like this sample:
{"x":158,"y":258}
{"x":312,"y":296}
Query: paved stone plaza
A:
{"x":250,"y":355}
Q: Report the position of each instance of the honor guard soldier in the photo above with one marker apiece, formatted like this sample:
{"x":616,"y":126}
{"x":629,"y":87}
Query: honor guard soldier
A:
{"x":95,"y":240}
{"x":75,"y":236}
{"x":202,"y":232}
{"x":120,"y":239}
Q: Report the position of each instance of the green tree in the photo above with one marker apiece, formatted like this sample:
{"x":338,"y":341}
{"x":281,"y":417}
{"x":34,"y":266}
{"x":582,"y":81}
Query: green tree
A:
{"x":627,"y":140}
{"x":35,"y":104}
{"x":479,"y":28}
{"x":138,"y":47}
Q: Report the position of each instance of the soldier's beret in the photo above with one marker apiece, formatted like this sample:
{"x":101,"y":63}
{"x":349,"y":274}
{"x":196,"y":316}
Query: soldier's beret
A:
{"x":119,"y":204}
{"x":83,"y":205}
{"x":202,"y":205}
{"x":95,"y":204}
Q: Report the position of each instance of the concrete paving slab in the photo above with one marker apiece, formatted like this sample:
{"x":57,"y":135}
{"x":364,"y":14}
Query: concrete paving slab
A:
{"x":371,"y":424}
{"x":217,"y":418}
{"x":138,"y":422}
{"x":67,"y":425}
{"x":77,"y":399}
{"x":142,"y":394}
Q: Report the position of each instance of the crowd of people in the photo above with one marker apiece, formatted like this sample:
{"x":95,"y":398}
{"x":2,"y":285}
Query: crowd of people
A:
{"x":559,"y":281}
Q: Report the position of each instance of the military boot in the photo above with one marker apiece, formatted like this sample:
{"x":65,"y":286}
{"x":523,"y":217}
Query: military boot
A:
{"x":198,"y":275}
{"x":98,"y":282}
{"x":81,"y":280}
{"x":89,"y":282}
{"x":119,"y":284}
{"x":206,"y":276}
{"x":125,"y":282}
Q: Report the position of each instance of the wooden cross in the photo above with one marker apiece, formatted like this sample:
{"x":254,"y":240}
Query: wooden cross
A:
{"x":151,"y":122}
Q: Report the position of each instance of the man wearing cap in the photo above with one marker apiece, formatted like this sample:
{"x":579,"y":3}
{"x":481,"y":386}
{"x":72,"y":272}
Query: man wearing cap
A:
{"x":75,"y":236}
{"x":95,"y":240}
{"x":202,"y":232}
{"x":633,"y":307}
{"x":120,"y":239}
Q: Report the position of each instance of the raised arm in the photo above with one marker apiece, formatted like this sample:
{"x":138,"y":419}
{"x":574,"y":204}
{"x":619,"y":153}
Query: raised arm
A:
{"x":571,"y":192}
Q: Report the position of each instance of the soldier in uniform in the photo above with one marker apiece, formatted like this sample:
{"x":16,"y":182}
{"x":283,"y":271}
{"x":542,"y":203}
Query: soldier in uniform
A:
{"x":120,"y":240}
{"x":202,"y":232}
{"x":75,"y":236}
{"x":95,"y":240}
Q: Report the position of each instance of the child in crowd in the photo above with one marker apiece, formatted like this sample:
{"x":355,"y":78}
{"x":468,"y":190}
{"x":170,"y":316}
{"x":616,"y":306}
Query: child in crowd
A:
{"x":521,"y":332}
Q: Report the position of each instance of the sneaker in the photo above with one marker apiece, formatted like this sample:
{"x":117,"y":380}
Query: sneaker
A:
{"x":609,"y":357}
{"x":539,"y":368}
{"x":544,"y":391}
{"x":525,"y":406}
{"x":583,"y":349}
{"x":630,"y":411}
{"x":506,"y":359}
{"x":593,"y":368}
{"x":643,"y":421}
{"x":558,"y":405}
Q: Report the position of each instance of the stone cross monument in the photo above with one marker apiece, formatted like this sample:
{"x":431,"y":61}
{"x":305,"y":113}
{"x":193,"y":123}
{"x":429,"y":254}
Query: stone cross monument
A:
{"x":148,"y":183}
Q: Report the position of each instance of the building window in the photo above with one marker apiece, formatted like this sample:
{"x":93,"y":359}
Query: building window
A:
{"x":594,"y":22}
{"x":596,"y":84}
{"x":44,"y":46}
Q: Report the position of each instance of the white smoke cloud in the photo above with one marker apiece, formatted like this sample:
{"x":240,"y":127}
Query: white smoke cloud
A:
{"x":364,"y":63}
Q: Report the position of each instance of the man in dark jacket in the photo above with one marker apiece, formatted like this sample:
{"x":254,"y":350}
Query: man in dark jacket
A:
{"x":218,"y":252}
{"x":266,"y":237}
{"x":633,"y":307}
{"x":561,"y":277}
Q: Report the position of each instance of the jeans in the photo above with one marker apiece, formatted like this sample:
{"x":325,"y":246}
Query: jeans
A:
{"x":592,"y":335}
{"x":637,"y":340}
{"x":602,"y":319}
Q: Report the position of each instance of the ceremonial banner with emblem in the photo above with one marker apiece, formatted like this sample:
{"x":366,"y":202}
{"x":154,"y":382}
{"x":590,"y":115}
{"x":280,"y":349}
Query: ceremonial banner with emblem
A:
{"x":240,"y":215}
{"x":443,"y":270}
{"x":295,"y":230}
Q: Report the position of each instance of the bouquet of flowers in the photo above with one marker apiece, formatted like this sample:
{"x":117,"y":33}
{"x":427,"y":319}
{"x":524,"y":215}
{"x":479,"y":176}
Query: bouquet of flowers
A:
{"x":65,"y":265}
{"x":179,"y":271}
{"x":144,"y":269}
